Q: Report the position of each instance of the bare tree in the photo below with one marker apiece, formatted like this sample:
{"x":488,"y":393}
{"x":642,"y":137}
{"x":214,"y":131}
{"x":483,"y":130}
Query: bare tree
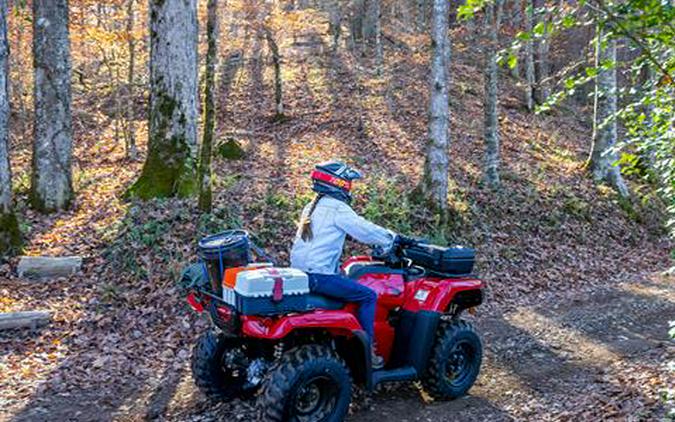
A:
{"x":205,"y":195}
{"x":276,"y":61}
{"x":372,"y":29}
{"x":130,"y":133}
{"x":529,"y":57}
{"x":356,"y":16}
{"x":542,"y":63}
{"x":335,"y":22}
{"x":493,"y":13}
{"x":516,"y":21}
{"x":435,"y":179}
{"x":9,"y":227}
{"x":52,"y":187}
{"x":602,"y":158}
{"x":422,"y":13}
{"x":170,"y":168}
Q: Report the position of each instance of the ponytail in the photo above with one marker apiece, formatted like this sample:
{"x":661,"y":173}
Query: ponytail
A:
{"x":305,"y":225}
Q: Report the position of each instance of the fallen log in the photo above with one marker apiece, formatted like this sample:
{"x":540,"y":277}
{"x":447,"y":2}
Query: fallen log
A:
{"x":48,"y":266}
{"x":29,"y":319}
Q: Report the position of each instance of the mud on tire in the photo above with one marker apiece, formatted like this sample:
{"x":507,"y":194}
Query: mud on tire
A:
{"x":310,"y":383}
{"x":455,"y":361}
{"x":207,"y":368}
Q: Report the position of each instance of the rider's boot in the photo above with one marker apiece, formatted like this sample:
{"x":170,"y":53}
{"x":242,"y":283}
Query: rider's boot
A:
{"x":376,"y":360}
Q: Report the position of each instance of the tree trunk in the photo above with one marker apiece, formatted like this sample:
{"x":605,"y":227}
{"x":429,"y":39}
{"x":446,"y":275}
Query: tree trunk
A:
{"x":169,"y":168}
{"x":130,"y":135}
{"x":334,"y":23}
{"x":602,"y":157}
{"x":435,"y":182}
{"x":422,"y":15}
{"x":371,"y":15}
{"x":516,"y":22}
{"x":542,"y":63}
{"x":52,"y":187}
{"x":205,"y":195}
{"x":406,"y":18}
{"x":18,"y":84}
{"x":5,"y":169}
{"x":357,"y":11}
{"x":10,"y":238}
{"x":229,"y":68}
{"x":372,"y":30}
{"x":276,"y":60}
{"x":529,"y":58}
{"x":491,"y":122}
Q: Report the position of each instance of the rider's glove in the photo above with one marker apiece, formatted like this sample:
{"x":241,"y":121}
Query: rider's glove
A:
{"x":405,"y":240}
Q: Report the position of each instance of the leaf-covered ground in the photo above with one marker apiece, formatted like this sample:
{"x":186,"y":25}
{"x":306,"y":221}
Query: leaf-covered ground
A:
{"x":575,"y":324}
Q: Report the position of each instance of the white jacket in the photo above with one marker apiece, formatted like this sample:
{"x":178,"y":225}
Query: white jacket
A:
{"x":331,"y":221}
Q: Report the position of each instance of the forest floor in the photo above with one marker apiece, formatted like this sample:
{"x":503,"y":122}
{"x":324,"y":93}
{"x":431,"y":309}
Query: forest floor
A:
{"x":577,"y":314}
{"x":595,"y":355}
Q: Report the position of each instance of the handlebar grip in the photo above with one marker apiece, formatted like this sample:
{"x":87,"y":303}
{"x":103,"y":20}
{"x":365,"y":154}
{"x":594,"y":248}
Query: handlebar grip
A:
{"x":406,"y":241}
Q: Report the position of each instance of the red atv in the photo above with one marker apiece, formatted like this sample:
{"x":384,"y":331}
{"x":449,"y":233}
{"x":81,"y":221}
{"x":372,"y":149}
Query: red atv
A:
{"x":301,"y":357}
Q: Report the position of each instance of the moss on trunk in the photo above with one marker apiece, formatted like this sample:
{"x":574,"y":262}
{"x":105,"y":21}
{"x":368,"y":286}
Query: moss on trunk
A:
{"x":10,"y":235}
{"x":170,"y":169}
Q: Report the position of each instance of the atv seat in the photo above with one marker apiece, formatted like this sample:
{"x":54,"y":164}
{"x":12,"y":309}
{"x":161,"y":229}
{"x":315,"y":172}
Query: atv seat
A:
{"x":315,"y":301}
{"x":358,"y":269}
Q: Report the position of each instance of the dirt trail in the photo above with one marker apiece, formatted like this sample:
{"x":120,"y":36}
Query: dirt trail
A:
{"x":595,"y":356}
{"x":588,"y":356}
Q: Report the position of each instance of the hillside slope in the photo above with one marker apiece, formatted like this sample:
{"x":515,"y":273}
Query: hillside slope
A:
{"x":121,"y":337}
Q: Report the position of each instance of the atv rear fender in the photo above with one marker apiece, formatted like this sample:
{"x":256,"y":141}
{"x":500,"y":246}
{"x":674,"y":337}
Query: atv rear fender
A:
{"x":338,"y":322}
{"x":349,"y":338}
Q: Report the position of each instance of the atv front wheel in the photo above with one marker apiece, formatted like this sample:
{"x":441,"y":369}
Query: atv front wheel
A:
{"x":215,"y":369}
{"x":310,"y":384}
{"x":455,"y":361}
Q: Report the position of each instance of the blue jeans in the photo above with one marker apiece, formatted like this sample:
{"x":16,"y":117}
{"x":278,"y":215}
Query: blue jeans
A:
{"x":347,"y":290}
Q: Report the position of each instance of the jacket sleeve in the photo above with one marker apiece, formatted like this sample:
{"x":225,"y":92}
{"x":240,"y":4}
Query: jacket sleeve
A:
{"x":363,"y":230}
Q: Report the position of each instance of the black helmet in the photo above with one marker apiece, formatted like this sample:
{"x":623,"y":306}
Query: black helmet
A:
{"x":334,"y":178}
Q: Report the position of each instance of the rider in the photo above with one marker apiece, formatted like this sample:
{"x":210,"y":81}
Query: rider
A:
{"x":318,"y":244}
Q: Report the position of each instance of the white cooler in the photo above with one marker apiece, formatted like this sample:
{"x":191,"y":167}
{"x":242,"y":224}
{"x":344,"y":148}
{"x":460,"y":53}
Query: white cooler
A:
{"x":270,"y":291}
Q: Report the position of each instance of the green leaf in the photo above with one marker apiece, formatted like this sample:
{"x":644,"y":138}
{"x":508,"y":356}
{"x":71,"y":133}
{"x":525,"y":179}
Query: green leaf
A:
{"x":569,"y":21}
{"x":592,"y":71}
{"x":513,"y":60}
{"x":469,"y":9}
{"x":524,"y":36}
{"x":539,"y":29}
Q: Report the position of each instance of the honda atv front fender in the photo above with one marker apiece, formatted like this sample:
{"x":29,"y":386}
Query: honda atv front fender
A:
{"x":436,"y":295}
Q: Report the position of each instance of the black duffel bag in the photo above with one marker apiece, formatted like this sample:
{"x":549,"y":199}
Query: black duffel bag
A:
{"x":452,"y":260}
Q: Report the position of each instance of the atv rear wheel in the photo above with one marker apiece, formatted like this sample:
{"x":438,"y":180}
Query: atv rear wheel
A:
{"x":215,"y":370}
{"x":455,"y":361}
{"x":310,"y":384}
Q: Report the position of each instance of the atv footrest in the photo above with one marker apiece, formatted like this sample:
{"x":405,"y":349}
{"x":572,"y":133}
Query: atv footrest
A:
{"x":405,"y":373}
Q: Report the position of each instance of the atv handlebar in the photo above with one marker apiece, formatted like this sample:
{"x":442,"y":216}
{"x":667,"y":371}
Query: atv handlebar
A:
{"x":394,"y":255}
{"x":405,"y":241}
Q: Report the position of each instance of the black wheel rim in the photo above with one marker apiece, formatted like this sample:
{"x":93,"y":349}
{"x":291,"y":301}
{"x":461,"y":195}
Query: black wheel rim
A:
{"x":315,"y":399}
{"x":233,"y":367}
{"x":461,"y":362}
